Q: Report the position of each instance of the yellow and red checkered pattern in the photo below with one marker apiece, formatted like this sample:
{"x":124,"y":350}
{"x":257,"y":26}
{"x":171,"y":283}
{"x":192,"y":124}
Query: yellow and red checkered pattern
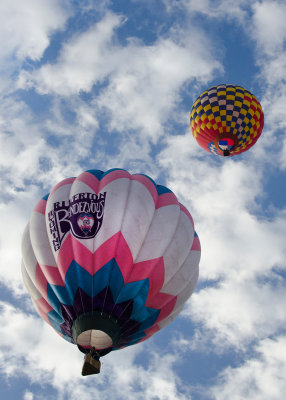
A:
{"x":226,"y":109}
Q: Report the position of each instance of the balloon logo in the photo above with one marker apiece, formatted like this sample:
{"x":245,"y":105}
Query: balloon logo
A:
{"x":226,"y":120}
{"x":226,"y":144}
{"x":85,"y":222}
{"x":109,"y":259}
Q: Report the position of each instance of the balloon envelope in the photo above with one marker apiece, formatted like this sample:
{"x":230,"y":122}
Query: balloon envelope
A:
{"x":226,"y":120}
{"x":109,"y":258}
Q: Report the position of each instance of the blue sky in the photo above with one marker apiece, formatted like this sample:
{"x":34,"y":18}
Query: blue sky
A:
{"x":89,"y":84}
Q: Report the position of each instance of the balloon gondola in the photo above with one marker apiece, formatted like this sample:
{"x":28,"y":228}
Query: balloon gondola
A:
{"x":226,"y":120}
{"x":109,"y":259}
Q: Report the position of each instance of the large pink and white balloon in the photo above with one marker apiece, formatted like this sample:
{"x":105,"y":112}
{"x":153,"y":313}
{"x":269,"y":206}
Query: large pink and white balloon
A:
{"x":109,"y":259}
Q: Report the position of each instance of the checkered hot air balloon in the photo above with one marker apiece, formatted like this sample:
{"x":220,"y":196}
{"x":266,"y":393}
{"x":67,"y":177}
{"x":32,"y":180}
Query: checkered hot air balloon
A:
{"x":109,"y":259}
{"x":226,"y":120}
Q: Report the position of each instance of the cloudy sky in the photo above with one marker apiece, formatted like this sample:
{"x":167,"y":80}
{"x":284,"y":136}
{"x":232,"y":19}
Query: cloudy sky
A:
{"x":103,"y":84}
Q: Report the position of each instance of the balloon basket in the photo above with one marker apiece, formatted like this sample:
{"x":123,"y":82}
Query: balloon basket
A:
{"x":90,"y":365}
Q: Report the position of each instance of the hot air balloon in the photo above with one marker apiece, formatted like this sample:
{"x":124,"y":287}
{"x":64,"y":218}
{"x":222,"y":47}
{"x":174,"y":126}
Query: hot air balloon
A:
{"x":226,"y":120}
{"x":109,"y":259}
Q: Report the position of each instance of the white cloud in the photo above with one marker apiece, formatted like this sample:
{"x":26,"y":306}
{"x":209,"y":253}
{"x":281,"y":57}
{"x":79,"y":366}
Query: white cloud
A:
{"x":84,"y":60}
{"x":269,"y":28}
{"x":234,"y":315}
{"x":282,"y":158}
{"x":26,"y":27}
{"x":223,"y":199}
{"x":274,"y":70}
{"x":29,"y":347}
{"x":143,"y":82}
{"x":269,"y":31}
{"x":259,"y":378}
{"x":234,"y":9}
{"x":144,"y":91}
{"x":28,"y":396}
{"x":32,"y":342}
{"x":24,"y":148}
{"x":241,"y":247}
{"x":274,"y":140}
{"x":13,"y":220}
